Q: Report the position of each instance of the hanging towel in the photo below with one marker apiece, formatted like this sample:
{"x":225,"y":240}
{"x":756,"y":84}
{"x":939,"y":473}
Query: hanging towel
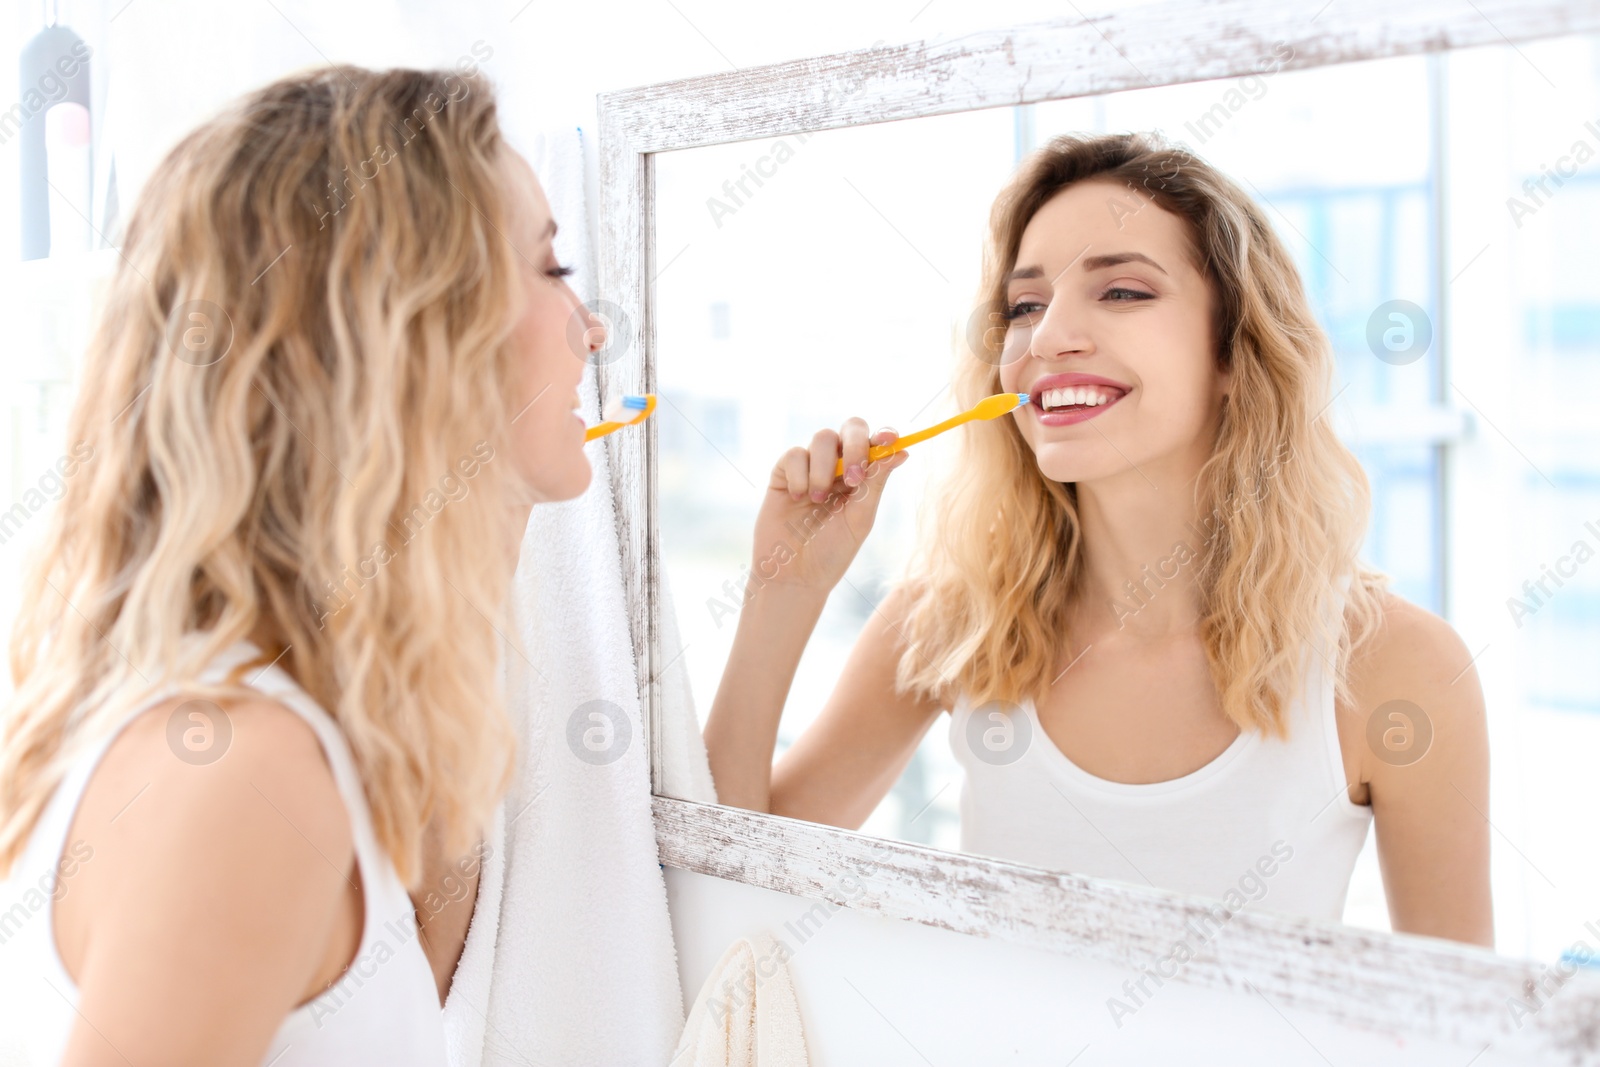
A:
{"x":746,"y":1014}
{"x":569,"y":958}
{"x":685,"y":767}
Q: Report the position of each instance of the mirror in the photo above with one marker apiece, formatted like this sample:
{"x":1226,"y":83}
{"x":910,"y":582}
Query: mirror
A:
{"x":1440,"y":211}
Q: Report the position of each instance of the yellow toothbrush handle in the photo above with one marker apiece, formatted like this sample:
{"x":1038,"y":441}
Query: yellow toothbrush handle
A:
{"x":877,"y":452}
{"x":987,"y":408}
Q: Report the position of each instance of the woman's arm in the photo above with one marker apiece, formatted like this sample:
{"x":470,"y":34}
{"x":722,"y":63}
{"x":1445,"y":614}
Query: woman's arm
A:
{"x":849,"y":758}
{"x":741,"y":729}
{"x":1432,"y":815}
{"x":846,"y":761}
{"x":214,"y":897}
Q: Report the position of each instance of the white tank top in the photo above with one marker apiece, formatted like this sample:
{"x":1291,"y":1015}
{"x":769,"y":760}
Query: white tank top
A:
{"x":384,"y":1010}
{"x":1268,"y":824}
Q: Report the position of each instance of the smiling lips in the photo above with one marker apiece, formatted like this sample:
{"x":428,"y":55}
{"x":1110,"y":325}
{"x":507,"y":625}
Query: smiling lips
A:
{"x":1063,"y":399}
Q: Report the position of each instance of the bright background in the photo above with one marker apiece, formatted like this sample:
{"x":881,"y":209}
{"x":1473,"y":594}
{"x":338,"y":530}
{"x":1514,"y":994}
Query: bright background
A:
{"x":1388,"y":180}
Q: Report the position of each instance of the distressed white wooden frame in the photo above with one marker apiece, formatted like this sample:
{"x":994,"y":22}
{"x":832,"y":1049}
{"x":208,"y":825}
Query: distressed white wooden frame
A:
{"x":1394,"y":984}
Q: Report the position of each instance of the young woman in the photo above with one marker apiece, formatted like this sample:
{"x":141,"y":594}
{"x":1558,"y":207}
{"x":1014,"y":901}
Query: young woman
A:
{"x":1140,"y":597}
{"x":257,"y":728}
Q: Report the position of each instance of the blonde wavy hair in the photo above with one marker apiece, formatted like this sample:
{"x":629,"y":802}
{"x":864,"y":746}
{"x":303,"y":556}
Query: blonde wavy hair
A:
{"x":1001,"y":562}
{"x":302,"y":469}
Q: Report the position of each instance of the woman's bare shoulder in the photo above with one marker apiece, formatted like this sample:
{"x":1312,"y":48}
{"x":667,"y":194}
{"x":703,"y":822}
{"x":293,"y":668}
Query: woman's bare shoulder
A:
{"x":1415,"y":683}
{"x":1410,"y":646}
{"x":219,"y":850}
{"x":248,"y":762}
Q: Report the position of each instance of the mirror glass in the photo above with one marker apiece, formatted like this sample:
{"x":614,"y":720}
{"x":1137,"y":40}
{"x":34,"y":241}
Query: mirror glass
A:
{"x":1441,"y":211}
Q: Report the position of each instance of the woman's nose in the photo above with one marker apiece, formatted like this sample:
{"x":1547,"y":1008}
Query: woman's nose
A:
{"x":1056,"y":337}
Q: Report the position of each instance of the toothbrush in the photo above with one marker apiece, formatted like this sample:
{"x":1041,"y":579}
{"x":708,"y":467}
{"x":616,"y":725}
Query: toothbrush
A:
{"x":988,"y":408}
{"x":615,"y":411}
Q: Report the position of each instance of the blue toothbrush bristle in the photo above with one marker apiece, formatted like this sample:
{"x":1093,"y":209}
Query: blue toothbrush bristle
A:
{"x":1022,"y":398}
{"x":637,"y":403}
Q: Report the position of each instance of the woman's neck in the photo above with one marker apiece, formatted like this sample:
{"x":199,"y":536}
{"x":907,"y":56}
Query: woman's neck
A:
{"x":1142,"y":545}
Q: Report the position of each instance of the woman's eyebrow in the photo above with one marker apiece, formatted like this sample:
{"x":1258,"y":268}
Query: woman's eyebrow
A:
{"x":1112,"y":259}
{"x":1109,"y":259}
{"x":1024,"y":272}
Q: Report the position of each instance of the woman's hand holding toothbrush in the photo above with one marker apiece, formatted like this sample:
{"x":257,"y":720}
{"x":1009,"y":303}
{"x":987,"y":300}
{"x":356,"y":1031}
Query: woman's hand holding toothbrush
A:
{"x":809,"y":528}
{"x":820,"y":505}
{"x":811,"y":523}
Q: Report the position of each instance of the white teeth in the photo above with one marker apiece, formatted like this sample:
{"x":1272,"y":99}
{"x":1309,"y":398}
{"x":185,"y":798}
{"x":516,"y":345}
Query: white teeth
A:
{"x":1082,"y":395}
